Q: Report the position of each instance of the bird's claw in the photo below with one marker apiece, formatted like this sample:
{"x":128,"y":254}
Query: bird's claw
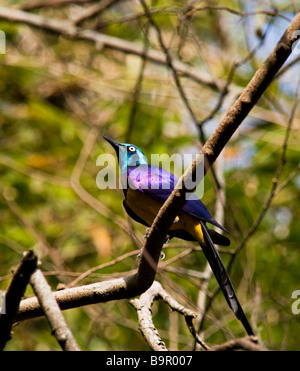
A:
{"x":162,"y":255}
{"x":147,"y":233}
{"x":167,"y":240}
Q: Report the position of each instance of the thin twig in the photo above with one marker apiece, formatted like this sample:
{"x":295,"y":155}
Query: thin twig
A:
{"x":46,"y":248}
{"x":52,"y":311}
{"x":34,"y":5}
{"x":94,"y":11}
{"x":170,"y":63}
{"x":237,"y":12}
{"x":247,"y":343}
{"x":143,"y":306}
{"x":137,"y":90}
{"x":187,"y":313}
{"x":275,"y":180}
{"x":102,"y":266}
{"x":67,"y":29}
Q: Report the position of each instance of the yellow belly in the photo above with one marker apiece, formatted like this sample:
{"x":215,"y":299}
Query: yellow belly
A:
{"x":146,"y":208}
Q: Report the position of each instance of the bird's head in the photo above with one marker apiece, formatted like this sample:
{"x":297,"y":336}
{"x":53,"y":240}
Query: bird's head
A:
{"x":128,"y":154}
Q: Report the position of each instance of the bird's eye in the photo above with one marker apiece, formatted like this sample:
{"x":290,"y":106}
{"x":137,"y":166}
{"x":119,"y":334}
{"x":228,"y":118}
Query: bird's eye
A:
{"x":131,"y":149}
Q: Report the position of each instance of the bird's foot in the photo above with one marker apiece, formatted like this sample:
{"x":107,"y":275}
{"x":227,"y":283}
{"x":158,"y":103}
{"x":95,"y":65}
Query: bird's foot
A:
{"x":147,"y":233}
{"x":162,"y":255}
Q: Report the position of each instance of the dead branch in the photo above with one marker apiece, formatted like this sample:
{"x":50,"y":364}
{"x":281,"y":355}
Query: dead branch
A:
{"x":14,"y":294}
{"x":33,"y":5}
{"x":94,"y":10}
{"x":248,"y":343}
{"x":143,"y":307}
{"x":78,"y":296}
{"x":144,"y":304}
{"x":52,"y":312}
{"x":67,"y":29}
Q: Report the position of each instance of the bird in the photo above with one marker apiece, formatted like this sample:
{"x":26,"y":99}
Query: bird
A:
{"x":146,"y":187}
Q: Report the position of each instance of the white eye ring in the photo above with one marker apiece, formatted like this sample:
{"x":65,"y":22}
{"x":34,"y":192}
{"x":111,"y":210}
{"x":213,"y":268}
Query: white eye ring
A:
{"x":131,"y":149}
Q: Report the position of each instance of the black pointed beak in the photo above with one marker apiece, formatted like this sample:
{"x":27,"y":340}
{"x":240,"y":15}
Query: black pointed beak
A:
{"x":113,"y":143}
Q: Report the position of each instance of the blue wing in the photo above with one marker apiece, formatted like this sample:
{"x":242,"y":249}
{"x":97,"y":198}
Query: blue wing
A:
{"x":159,"y":184}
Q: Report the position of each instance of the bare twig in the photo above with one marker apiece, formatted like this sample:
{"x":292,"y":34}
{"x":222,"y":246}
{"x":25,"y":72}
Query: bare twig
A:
{"x":143,"y":306}
{"x":187,"y":313}
{"x":94,"y":10}
{"x":176,"y":75}
{"x":52,"y":311}
{"x":67,"y":29}
{"x":44,"y":245}
{"x":79,"y":296}
{"x":170,"y":63}
{"x":146,"y":326}
{"x":275,"y":180}
{"x":14,"y":295}
{"x":247,"y":343}
{"x":102,"y":266}
{"x":236,"y":12}
{"x":137,"y":90}
{"x":33,"y":5}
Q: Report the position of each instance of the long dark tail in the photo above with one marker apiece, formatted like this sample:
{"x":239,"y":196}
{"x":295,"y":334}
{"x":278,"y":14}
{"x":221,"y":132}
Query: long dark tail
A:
{"x":223,"y":279}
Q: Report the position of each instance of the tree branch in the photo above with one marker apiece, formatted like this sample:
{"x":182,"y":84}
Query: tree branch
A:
{"x":247,"y":343}
{"x":14,"y":295}
{"x":67,"y":29}
{"x":33,"y":5}
{"x":52,"y":311}
{"x":94,"y":10}
{"x":143,"y":307}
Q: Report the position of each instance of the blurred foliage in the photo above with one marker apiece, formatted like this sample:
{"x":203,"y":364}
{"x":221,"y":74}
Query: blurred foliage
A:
{"x":56,"y":92}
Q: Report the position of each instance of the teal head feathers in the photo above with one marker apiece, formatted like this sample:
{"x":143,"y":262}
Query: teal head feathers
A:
{"x":128,"y":155}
